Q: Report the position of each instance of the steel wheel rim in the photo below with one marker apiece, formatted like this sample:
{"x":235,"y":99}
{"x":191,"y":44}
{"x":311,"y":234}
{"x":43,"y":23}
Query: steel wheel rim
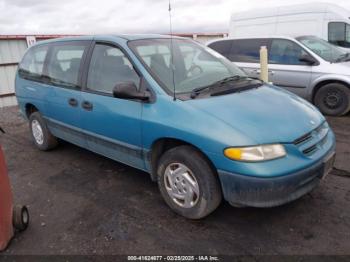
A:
{"x":37,"y":132}
{"x":181,"y":185}
{"x":333,"y":99}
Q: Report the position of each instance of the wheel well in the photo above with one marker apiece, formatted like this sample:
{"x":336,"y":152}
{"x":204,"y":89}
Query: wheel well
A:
{"x":162,"y":145}
{"x":30,"y":108}
{"x":326,"y":82}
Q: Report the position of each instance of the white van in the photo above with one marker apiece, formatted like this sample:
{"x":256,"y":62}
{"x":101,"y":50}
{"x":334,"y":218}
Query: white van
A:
{"x":327,"y":21}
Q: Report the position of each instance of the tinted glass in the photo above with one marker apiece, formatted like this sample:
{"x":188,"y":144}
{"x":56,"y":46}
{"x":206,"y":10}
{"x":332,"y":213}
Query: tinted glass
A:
{"x":339,"y":34}
{"x":109,"y":67}
{"x":192,"y":65}
{"x":285,"y":52}
{"x":246,"y":50}
{"x":222,"y":47}
{"x":64,"y":65}
{"x":33,"y":62}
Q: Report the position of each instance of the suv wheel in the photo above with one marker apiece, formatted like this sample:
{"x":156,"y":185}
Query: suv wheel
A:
{"x":42,"y":137}
{"x":187,"y":182}
{"x":333,"y":99}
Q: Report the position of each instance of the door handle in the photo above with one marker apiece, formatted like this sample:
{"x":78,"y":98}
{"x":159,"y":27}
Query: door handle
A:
{"x":73,"y":102}
{"x":87,"y":105}
{"x":258,"y":71}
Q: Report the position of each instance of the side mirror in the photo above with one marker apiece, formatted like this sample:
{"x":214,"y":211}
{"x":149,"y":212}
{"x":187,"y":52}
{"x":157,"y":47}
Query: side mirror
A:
{"x":128,"y":90}
{"x":307,"y":59}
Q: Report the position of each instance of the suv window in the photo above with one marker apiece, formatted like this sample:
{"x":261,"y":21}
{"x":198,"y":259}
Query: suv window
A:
{"x":63,"y":68}
{"x":246,"y":50}
{"x":108,"y":67}
{"x":32,"y":63}
{"x":222,"y":47}
{"x":285,"y":52}
{"x":339,"y":34}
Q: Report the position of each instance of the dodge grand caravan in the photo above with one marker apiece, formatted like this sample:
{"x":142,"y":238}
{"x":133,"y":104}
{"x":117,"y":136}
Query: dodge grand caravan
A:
{"x":181,"y":112}
{"x":307,"y":66}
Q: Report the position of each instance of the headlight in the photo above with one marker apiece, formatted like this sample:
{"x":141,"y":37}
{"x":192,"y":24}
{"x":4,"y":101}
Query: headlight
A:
{"x":255,"y":153}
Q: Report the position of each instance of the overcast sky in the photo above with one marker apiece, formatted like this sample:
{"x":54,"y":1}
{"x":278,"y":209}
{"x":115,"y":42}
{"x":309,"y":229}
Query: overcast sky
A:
{"x":125,"y":16}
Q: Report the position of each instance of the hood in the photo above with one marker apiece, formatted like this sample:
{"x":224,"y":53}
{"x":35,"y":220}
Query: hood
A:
{"x":267,"y":114}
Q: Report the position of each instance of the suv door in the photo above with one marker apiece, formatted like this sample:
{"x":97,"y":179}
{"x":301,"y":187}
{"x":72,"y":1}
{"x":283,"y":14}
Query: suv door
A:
{"x":245,"y":53}
{"x":112,"y":125}
{"x":286,"y":68}
{"x":63,"y":76}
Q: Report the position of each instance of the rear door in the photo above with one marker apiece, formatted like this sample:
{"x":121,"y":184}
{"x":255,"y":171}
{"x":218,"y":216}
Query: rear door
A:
{"x":112,"y":125}
{"x":285,"y":68}
{"x":63,"y":76}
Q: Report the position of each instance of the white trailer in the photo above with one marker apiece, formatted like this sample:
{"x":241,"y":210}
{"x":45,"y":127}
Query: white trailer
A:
{"x":327,"y":21}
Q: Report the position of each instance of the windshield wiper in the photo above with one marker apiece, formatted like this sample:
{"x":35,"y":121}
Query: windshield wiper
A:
{"x":343,"y":57}
{"x":220,"y":83}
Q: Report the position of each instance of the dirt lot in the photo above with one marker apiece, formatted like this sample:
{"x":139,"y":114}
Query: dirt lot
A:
{"x":82,"y":203}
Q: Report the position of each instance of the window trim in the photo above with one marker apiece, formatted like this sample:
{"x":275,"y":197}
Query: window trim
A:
{"x":143,"y":85}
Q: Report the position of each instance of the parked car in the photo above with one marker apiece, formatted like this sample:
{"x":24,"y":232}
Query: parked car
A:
{"x":202,"y":130}
{"x":324,"y":20}
{"x":307,"y":66}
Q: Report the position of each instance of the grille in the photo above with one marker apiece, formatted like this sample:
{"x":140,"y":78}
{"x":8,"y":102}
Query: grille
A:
{"x":312,"y":141}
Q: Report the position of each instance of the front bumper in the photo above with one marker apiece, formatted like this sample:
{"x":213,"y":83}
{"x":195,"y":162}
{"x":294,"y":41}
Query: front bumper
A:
{"x":240,"y":190}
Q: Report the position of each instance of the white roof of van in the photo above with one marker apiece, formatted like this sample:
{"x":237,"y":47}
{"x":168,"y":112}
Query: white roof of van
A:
{"x":316,"y":7}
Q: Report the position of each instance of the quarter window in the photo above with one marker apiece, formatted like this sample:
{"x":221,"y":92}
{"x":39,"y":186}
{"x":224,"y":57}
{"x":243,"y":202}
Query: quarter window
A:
{"x":109,"y":67}
{"x":63,"y":68}
{"x":285,"y":52}
{"x":32,"y":64}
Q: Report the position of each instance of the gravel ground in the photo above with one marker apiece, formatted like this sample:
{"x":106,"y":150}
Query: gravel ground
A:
{"x":82,"y":203}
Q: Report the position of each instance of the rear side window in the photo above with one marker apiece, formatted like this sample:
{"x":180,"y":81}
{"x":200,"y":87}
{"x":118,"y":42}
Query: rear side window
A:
{"x":285,"y":52}
{"x":222,"y":47}
{"x":32,"y":63}
{"x":246,"y":50}
{"x":64,"y":64}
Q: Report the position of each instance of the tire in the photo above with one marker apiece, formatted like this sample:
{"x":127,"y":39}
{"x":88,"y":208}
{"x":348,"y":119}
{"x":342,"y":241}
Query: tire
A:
{"x":41,"y":135}
{"x":333,"y":99}
{"x":204,"y":194}
{"x":20,"y":218}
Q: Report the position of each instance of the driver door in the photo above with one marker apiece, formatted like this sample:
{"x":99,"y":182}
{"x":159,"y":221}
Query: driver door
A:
{"x":112,"y":125}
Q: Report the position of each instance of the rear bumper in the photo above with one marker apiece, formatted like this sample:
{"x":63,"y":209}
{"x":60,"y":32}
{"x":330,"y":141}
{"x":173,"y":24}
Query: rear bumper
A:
{"x":268,"y":192}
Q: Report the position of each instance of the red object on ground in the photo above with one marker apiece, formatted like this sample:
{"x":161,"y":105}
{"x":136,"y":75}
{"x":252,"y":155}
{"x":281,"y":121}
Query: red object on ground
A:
{"x":6,"y":205}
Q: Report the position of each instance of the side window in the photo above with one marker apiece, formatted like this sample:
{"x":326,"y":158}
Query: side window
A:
{"x":339,"y":34}
{"x":222,"y":47}
{"x":246,"y":50}
{"x":285,"y":52}
{"x":64,"y":64}
{"x":108,"y":67}
{"x":32,"y":63}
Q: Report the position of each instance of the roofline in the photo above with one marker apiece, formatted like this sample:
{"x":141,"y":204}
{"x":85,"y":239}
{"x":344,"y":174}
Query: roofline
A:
{"x":50,"y":36}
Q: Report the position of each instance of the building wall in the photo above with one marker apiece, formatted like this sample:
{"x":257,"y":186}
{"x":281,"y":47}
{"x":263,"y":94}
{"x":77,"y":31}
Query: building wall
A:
{"x":11,"y":52}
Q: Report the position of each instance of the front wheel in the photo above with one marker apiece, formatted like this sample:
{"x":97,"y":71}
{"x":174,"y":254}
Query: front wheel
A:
{"x":333,"y":99}
{"x":187,"y":182}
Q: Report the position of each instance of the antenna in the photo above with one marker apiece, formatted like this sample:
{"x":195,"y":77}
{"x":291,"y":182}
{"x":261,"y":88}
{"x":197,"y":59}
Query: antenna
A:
{"x":171,"y":51}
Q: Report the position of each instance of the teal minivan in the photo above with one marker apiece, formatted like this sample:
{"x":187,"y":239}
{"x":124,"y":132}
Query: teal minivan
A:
{"x":181,"y":112}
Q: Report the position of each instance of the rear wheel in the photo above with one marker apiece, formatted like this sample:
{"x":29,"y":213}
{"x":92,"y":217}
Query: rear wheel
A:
{"x":333,"y":99}
{"x":42,"y":137}
{"x":187,"y":182}
{"x":20,"y":217}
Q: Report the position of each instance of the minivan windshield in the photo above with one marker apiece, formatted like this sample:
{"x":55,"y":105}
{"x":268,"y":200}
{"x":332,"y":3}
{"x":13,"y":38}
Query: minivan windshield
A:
{"x":191,"y":67}
{"x":324,"y":49}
